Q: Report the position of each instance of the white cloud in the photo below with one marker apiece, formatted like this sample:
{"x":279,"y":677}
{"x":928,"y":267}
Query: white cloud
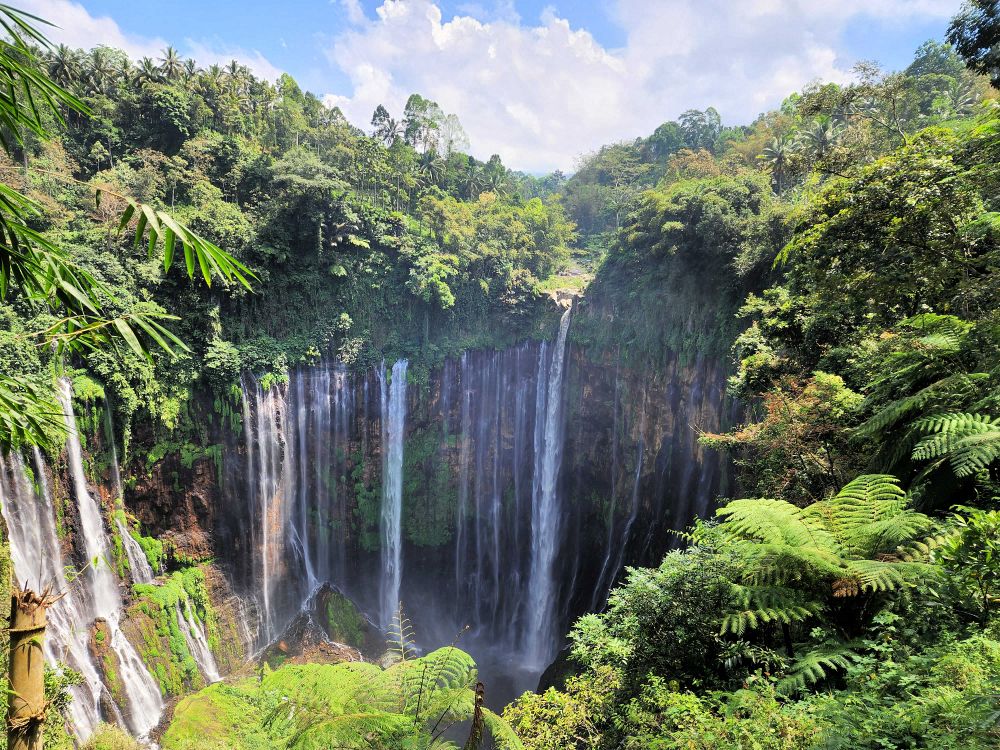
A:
{"x":542,"y":94}
{"x":355,"y":13}
{"x":76,"y":27}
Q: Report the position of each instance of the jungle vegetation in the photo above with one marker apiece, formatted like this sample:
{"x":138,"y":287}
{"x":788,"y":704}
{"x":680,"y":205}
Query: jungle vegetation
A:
{"x":852,"y":237}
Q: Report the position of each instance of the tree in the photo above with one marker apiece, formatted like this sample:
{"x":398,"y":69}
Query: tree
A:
{"x":452,"y":136}
{"x":421,"y":122}
{"x":386,"y":129}
{"x":100,"y":72}
{"x":701,"y":129}
{"x":820,"y":137}
{"x":796,"y":563}
{"x":975,"y":33}
{"x":64,"y":66}
{"x":971,"y":553}
{"x":171,"y":65}
{"x":777,"y":155}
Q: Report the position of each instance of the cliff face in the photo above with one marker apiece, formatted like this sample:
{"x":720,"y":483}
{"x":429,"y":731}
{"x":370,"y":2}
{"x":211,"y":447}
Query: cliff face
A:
{"x":301,"y":499}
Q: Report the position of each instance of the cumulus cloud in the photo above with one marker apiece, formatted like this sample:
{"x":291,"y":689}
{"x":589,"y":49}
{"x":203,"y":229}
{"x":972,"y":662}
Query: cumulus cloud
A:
{"x":541,"y":94}
{"x":74,"y":26}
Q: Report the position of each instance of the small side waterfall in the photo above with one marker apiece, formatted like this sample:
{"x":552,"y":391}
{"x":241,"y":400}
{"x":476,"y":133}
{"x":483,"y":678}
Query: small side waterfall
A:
{"x":545,"y":515}
{"x":197,"y":643}
{"x":269,"y":479}
{"x":142,"y":571}
{"x":100,"y":587}
{"x":393,"y":400}
{"x":38,"y":562}
{"x":37,"y":553}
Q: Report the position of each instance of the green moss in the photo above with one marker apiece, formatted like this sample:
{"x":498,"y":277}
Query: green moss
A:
{"x":119,"y":558}
{"x":151,"y":548}
{"x":344,"y":623}
{"x":219,"y":717}
{"x":164,"y":648}
{"x":429,"y":489}
{"x":109,"y":666}
{"x":111,"y":738}
{"x":367,"y":503}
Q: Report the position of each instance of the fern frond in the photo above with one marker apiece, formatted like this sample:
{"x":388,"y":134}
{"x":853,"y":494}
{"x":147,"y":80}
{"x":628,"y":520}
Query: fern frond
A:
{"x":870,"y":515}
{"x":970,"y":442}
{"x":951,"y":389}
{"x":817,"y":665}
{"x":501,"y":732}
{"x":401,"y":635}
{"x":771,"y":521}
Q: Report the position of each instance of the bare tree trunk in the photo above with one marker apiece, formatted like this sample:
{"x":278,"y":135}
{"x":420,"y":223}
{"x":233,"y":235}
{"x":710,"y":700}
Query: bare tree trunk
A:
{"x":26,"y":702}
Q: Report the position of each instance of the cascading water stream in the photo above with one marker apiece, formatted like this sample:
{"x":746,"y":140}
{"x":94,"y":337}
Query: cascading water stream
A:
{"x":142,"y":571}
{"x":393,"y":416}
{"x":35,"y":549}
{"x":197,"y":643}
{"x":99,"y":584}
{"x":545,"y":517}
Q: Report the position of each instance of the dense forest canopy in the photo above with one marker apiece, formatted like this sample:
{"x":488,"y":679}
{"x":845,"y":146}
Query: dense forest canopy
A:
{"x":840,"y":253}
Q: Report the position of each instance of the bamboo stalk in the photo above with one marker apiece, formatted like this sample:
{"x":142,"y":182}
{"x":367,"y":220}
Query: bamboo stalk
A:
{"x":26,"y":703}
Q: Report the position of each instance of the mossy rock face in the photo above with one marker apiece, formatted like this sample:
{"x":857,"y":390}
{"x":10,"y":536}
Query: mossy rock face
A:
{"x":343,"y":622}
{"x":306,"y":639}
{"x":107,"y":660}
{"x":151,"y":624}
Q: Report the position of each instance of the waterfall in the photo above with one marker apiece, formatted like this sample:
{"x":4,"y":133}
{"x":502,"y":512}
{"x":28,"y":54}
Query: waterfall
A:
{"x":38,"y":562}
{"x":142,"y":571}
{"x":101,"y":588}
{"x":269,"y":457}
{"x":197,"y":643}
{"x":393,"y":420}
{"x":545,"y":516}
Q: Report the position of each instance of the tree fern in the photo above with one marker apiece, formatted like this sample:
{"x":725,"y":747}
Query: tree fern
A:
{"x":796,"y":563}
{"x":870,"y":515}
{"x":410,"y":704}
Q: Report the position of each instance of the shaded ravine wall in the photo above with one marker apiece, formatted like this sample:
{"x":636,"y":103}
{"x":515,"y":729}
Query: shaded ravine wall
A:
{"x":303,"y":491}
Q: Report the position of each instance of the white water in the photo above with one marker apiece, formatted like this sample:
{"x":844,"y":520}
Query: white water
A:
{"x":142,"y":571}
{"x":268,"y":465}
{"x":99,"y":584}
{"x":393,"y":414}
{"x":35,"y":549}
{"x":545,"y":503}
{"x":196,"y":641}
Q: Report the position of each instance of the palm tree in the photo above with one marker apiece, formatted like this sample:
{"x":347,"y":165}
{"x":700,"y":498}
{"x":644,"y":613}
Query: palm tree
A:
{"x":498,"y":182}
{"x":777,"y":154}
{"x":190,"y":69}
{"x":215,"y":75}
{"x":473,"y":181}
{"x":432,"y":167}
{"x":126,"y":71}
{"x":64,"y":66}
{"x":962,"y":97}
{"x":822,"y":136}
{"x":101,"y":71}
{"x":147,"y":71}
{"x":171,"y":64}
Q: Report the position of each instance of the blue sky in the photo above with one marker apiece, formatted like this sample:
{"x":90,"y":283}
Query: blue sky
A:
{"x":539,"y":82}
